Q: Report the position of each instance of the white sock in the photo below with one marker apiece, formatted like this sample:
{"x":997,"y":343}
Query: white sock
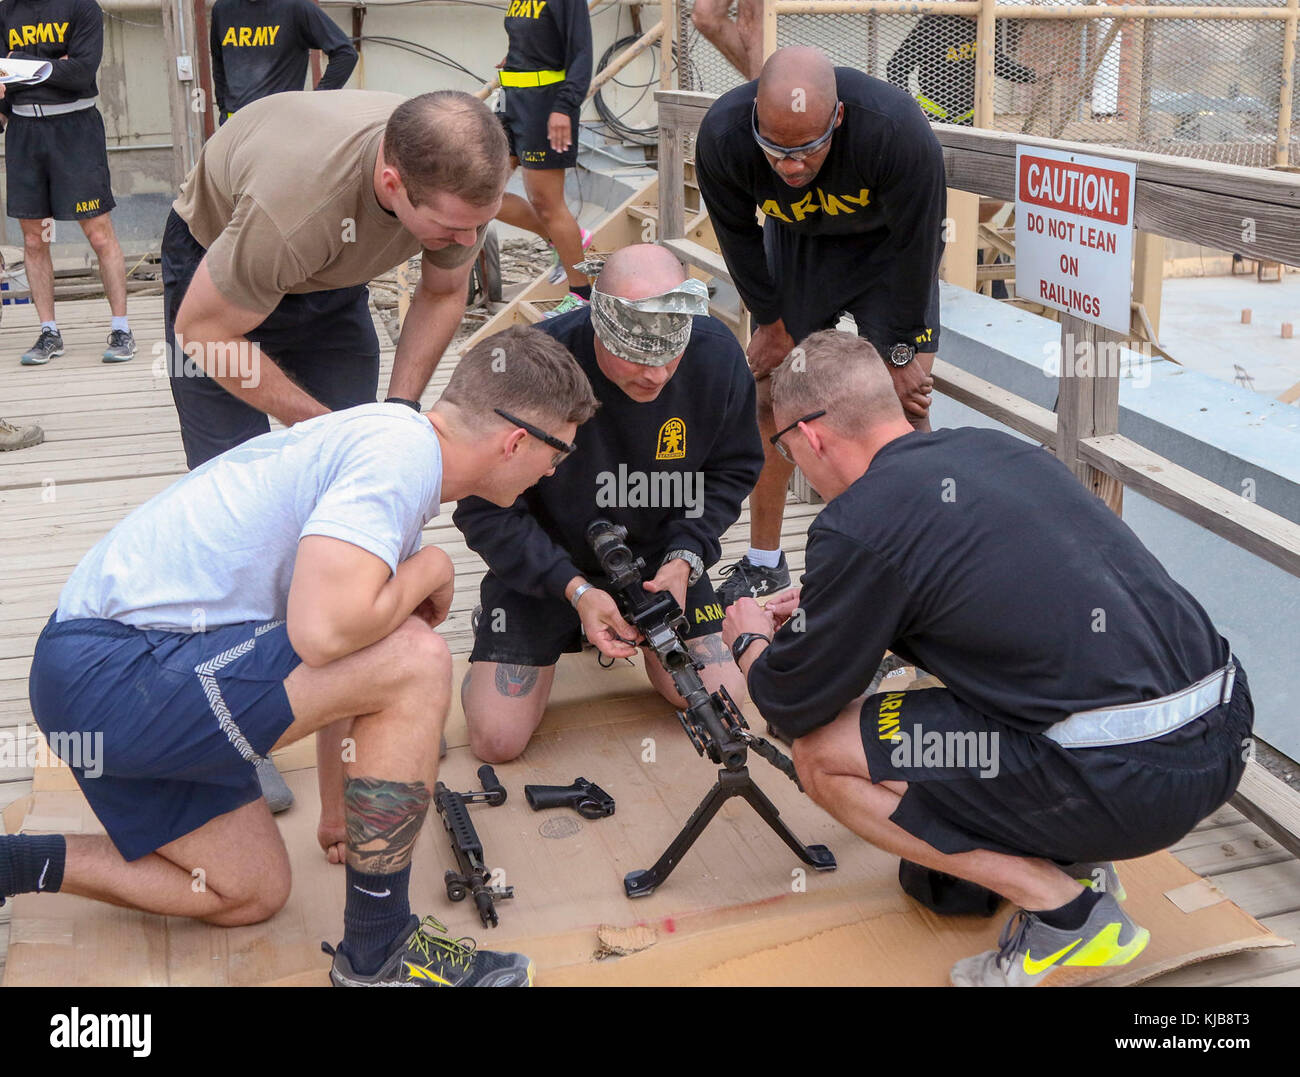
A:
{"x":766,"y":558}
{"x":120,"y":323}
{"x":52,"y":326}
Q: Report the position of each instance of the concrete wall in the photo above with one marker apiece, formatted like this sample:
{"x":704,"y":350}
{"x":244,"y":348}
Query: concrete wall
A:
{"x":1227,"y":434}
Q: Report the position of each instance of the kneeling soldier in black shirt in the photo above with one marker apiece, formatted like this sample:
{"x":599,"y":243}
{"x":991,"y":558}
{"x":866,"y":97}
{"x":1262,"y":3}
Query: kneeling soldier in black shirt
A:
{"x":670,"y":455}
{"x":1090,"y":710}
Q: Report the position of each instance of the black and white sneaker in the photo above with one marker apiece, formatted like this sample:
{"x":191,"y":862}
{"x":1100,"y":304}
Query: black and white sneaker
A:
{"x":48,"y":345}
{"x":429,"y":957}
{"x":121,"y":346}
{"x":748,"y":580}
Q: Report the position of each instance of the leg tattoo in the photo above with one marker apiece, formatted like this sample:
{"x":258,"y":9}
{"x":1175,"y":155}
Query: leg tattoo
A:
{"x":710,"y":650}
{"x":383,"y":819}
{"x":515,"y":681}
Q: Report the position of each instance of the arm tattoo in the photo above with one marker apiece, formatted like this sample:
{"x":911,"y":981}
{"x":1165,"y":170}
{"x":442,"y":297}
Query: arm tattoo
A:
{"x":709,"y":649}
{"x":383,"y":819}
{"x":515,"y":681}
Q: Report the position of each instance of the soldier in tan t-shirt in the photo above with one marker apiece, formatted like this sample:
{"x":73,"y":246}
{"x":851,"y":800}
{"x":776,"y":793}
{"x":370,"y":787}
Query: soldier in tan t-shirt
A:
{"x":293,"y":206}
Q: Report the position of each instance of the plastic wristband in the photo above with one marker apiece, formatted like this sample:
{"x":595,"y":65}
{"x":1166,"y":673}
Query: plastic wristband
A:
{"x":413,"y":404}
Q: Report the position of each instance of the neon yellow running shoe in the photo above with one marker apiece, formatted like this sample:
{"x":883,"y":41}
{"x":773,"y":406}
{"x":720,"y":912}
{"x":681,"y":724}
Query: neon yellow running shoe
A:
{"x":1029,"y":951}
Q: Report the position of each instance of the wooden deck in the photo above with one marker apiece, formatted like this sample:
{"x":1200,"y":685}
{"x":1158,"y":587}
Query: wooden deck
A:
{"x":112,"y":441}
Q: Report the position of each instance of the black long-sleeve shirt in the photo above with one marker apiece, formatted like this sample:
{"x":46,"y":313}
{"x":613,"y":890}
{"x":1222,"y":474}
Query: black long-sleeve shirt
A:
{"x":943,"y":48}
{"x":883,"y":181}
{"x":552,"y":35}
{"x":68,"y":33}
{"x":702,"y":423}
{"x":982,"y":559}
{"x":261,"y":47}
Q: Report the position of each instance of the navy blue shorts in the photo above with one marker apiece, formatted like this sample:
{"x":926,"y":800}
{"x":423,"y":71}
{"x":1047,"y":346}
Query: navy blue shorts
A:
{"x":977,"y":783}
{"x":527,"y":631}
{"x":325,"y":341}
{"x":526,"y":118}
{"x":170,"y":725}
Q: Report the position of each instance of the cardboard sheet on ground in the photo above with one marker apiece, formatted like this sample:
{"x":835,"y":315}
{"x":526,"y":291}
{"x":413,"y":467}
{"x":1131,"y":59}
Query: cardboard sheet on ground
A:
{"x":736,"y":911}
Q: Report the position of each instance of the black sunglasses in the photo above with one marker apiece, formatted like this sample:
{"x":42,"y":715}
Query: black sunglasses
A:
{"x":555,"y":443}
{"x":795,"y":153}
{"x":775,"y":439}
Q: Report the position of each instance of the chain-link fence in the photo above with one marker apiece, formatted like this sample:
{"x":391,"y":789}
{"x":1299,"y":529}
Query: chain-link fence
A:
{"x":1206,"y":88}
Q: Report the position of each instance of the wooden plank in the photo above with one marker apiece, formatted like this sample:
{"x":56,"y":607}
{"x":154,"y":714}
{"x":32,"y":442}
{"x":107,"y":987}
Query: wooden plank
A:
{"x":695,"y":254}
{"x":1006,"y":407}
{"x":1263,"y":533}
{"x":672,"y":206}
{"x":1270,"y":804}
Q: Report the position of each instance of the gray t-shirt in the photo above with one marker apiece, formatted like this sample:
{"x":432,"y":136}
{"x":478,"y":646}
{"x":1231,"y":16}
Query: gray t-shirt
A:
{"x":218,"y":547}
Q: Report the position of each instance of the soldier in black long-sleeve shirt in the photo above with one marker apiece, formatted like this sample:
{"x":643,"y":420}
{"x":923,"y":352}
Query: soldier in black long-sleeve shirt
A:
{"x":941,"y":49}
{"x":544,"y":80}
{"x":853,"y":223}
{"x":261,"y":47}
{"x":56,"y":158}
{"x":1090,"y":711}
{"x":670,"y":455}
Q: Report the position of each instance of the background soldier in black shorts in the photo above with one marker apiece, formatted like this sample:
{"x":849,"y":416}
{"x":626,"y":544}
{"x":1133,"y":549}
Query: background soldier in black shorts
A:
{"x":1090,"y":711}
{"x":676,"y":413}
{"x":261,"y":47}
{"x":56,"y":158}
{"x":544,"y":80}
{"x":850,"y":179}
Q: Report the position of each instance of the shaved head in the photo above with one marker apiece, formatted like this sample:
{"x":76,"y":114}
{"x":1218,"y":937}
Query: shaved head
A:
{"x":796,"y":93}
{"x":640,"y":270}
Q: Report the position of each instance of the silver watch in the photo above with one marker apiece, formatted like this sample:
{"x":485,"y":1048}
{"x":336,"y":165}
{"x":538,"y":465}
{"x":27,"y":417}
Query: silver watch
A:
{"x":901,"y":354}
{"x":692,"y":559}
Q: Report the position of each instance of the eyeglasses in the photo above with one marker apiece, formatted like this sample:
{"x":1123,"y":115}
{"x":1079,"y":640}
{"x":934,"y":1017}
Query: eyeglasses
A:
{"x":775,"y":439}
{"x":555,"y":443}
{"x":795,"y":153}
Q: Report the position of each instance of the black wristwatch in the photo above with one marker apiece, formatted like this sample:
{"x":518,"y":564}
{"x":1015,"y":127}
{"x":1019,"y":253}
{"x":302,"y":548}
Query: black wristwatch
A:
{"x":901,"y":354}
{"x":742,"y":644}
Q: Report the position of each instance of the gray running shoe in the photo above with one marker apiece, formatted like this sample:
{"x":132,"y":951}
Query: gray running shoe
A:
{"x":746,"y":579}
{"x":1098,"y":875}
{"x":121,"y":346}
{"x":278,"y":795}
{"x":429,"y":957}
{"x":19,"y":437}
{"x":1029,"y":951}
{"x":48,"y":345}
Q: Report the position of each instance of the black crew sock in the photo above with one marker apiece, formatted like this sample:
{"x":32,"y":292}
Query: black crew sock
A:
{"x":584,"y":291}
{"x":31,"y":862}
{"x":1073,"y":914}
{"x":377,"y":911}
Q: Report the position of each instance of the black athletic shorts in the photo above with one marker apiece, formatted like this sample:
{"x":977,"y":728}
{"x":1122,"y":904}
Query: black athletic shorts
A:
{"x":527,"y":631}
{"x":977,"y":783}
{"x":818,"y":281}
{"x":57,"y":166}
{"x":325,"y":341}
{"x":525,"y":115}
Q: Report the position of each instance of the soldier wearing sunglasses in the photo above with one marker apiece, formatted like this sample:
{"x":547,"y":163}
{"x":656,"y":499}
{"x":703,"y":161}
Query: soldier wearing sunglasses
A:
{"x":850,"y":181}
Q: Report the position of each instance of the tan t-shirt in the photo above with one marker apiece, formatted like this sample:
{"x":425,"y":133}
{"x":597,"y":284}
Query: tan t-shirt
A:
{"x":283,"y":199}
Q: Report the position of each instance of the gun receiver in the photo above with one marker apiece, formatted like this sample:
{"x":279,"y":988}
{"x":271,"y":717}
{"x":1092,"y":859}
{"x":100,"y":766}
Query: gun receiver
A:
{"x":712,"y":721}
{"x":474,"y":876}
{"x":586,"y":798}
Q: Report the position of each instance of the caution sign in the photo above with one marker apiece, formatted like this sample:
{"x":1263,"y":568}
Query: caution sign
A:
{"x":1074,"y":234}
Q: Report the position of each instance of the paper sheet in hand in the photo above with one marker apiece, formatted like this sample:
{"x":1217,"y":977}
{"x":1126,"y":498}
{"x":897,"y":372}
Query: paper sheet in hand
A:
{"x":28,"y":72}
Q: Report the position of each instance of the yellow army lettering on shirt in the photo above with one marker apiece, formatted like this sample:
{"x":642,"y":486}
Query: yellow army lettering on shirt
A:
{"x":37,"y":34}
{"x":958,"y":53}
{"x":710,"y":611}
{"x":887,"y":719}
{"x":250,"y":36}
{"x":814,"y":201}
{"x":526,"y":9}
{"x":86,"y":207}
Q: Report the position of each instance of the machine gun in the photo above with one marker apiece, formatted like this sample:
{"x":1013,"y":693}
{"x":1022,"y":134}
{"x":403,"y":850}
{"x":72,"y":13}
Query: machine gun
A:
{"x":712,"y":721}
{"x":474,"y":876}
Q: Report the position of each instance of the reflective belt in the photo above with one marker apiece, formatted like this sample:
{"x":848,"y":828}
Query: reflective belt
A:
{"x":1153,"y":718}
{"x":53,"y":110}
{"x":530,"y":78}
{"x":939,"y":112}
